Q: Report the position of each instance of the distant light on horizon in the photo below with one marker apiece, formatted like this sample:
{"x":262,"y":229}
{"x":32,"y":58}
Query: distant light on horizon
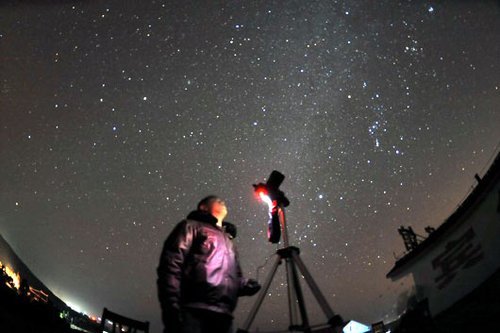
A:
{"x":78,"y":306}
{"x":74,"y":306}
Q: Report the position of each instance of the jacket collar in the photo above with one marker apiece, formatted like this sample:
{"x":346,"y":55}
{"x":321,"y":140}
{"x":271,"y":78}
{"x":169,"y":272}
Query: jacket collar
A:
{"x":202,"y":217}
{"x":197,"y":215}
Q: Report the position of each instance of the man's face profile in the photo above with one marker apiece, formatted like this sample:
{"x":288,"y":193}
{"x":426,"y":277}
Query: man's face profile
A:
{"x":216,"y":207}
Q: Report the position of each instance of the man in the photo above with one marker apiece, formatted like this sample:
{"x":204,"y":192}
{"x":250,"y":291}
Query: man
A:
{"x":199,"y":277}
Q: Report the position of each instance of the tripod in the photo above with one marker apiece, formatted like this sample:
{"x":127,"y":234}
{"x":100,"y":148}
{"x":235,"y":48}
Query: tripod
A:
{"x":291,"y":256}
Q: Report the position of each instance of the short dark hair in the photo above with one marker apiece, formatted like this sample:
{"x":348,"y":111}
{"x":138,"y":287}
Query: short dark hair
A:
{"x":206,"y":201}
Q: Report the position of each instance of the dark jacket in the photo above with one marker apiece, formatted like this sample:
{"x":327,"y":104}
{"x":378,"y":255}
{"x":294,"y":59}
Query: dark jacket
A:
{"x":199,"y":267}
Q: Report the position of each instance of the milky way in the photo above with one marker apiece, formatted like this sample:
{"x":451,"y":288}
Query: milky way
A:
{"x":118,"y":116}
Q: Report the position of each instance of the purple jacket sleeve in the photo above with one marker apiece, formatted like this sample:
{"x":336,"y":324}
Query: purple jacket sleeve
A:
{"x":174,"y":253}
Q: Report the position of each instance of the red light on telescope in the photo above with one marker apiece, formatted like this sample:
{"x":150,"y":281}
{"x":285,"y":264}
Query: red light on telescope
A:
{"x":262,"y":193}
{"x":265,"y":198}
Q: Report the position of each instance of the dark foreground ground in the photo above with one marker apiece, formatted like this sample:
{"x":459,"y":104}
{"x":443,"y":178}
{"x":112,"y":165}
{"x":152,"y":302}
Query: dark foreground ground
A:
{"x":477,"y":312}
{"x":21,"y":313}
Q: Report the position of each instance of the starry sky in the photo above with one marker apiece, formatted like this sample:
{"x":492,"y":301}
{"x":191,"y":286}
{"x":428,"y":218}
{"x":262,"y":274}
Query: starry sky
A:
{"x":118,"y":116}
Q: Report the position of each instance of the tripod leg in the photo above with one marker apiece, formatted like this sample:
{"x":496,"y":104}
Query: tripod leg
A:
{"x":314,"y":287}
{"x":292,"y":298}
{"x":300,"y":297}
{"x":263,"y":293}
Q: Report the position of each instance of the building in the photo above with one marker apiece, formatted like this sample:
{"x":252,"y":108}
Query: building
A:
{"x":460,"y":260}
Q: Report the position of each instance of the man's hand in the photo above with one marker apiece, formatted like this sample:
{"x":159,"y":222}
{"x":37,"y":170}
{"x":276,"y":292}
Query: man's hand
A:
{"x":251,"y":288}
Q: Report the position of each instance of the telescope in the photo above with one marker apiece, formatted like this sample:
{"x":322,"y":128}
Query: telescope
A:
{"x":276,"y":201}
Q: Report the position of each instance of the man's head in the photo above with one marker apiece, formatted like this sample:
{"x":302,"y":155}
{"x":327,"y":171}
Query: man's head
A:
{"x":214,"y":205}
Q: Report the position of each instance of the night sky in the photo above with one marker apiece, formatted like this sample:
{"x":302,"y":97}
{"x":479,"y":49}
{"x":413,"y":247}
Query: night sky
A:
{"x":117,"y":117}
